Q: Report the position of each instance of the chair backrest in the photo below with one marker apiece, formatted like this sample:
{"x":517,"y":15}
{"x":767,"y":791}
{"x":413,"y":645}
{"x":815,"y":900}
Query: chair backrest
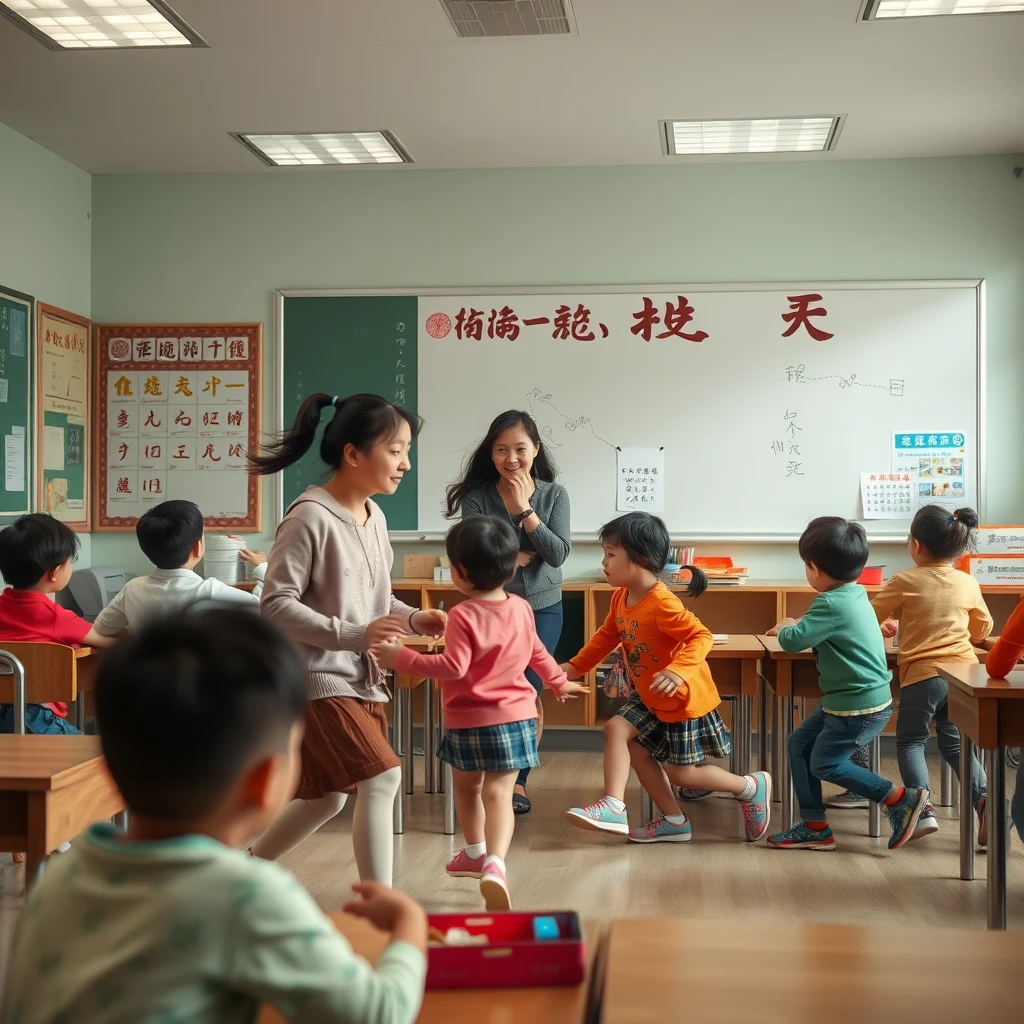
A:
{"x":50,"y":673}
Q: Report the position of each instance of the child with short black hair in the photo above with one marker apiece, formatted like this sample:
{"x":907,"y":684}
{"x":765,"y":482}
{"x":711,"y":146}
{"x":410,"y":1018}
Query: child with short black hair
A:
{"x":670,"y":726}
{"x":490,"y":708}
{"x":36,"y":552}
{"x":175,"y":923}
{"x":942,"y":617}
{"x":171,"y":536}
{"x":854,"y":678}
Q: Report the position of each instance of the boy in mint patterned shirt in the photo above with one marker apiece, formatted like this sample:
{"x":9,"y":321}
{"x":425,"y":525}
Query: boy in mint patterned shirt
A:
{"x":172,"y":923}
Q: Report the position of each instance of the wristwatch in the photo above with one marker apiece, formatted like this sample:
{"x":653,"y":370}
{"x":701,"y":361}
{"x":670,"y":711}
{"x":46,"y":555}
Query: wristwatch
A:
{"x":523,"y":516}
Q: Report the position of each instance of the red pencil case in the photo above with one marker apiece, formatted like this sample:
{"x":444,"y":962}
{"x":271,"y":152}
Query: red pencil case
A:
{"x":513,"y":957}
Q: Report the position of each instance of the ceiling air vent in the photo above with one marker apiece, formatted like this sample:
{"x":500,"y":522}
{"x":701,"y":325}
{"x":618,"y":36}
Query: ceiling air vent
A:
{"x":479,"y":19}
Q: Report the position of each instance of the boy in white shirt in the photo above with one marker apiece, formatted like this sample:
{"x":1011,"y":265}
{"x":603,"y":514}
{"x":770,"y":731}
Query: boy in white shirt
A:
{"x":171,"y":537}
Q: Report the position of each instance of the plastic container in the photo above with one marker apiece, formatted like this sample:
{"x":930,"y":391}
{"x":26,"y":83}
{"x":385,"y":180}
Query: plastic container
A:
{"x":514,"y":957}
{"x":871,"y":576}
{"x":221,"y":561}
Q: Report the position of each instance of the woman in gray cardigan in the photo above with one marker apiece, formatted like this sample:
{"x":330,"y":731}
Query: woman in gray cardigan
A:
{"x":511,"y":477}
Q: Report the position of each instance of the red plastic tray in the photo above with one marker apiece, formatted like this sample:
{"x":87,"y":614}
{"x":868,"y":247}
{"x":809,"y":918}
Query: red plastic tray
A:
{"x":513,"y":958}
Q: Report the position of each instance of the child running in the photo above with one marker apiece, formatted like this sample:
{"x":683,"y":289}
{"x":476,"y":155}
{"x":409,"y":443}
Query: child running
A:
{"x":854,"y":679}
{"x":171,"y":922}
{"x":670,"y":725}
{"x":941,"y":616}
{"x":490,"y":708}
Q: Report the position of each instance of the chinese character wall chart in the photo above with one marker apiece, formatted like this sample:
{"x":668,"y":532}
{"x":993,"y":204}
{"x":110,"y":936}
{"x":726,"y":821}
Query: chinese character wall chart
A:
{"x":178,"y":408}
{"x":769,"y":400}
{"x":63,"y":414}
{"x":16,"y":352}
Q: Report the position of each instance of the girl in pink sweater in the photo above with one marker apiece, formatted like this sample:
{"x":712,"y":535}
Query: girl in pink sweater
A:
{"x":490,"y":709}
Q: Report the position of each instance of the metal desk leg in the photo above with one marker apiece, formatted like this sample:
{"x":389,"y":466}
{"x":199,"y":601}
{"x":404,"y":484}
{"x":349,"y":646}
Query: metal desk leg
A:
{"x":788,"y":797}
{"x":397,"y":732}
{"x":748,"y":734}
{"x":945,"y":784}
{"x":120,"y":820}
{"x":967,"y":812}
{"x":438,"y":735}
{"x":408,"y":764}
{"x":449,"y":799}
{"x":875,"y":810}
{"x":646,"y":807}
{"x":995,"y":812}
{"x":762,"y":725}
{"x":80,"y":713}
{"x":735,"y":716}
{"x":429,"y":760}
{"x":776,"y":746}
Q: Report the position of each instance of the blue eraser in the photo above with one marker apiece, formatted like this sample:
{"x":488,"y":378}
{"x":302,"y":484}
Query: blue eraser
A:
{"x":545,"y":929}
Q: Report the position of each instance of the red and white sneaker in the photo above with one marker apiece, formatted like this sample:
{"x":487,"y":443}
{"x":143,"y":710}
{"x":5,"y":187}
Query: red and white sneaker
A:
{"x":494,"y":888}
{"x":464,"y":866}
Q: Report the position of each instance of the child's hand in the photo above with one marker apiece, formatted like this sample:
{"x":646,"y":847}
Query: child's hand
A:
{"x":667,"y":683}
{"x":249,"y":555}
{"x":384,"y":628}
{"x":390,"y":910}
{"x":571,"y":691}
{"x":889,"y":628}
{"x":570,"y":671}
{"x":385,"y":653}
{"x":774,"y":631}
{"x":430,"y":622}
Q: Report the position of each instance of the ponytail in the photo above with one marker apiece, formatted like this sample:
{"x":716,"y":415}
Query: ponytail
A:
{"x":945,"y":534}
{"x":698,"y":581}
{"x":359,"y":420}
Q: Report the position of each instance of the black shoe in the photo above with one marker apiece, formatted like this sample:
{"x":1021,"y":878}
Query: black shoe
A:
{"x":521,"y":804}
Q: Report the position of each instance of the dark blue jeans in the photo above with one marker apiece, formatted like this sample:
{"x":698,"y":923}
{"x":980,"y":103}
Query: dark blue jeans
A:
{"x":549,"y":629}
{"x":39,"y":721}
{"x":821,"y":748}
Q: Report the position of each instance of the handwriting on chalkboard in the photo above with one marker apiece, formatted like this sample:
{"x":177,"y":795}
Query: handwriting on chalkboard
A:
{"x":797,"y":374}
{"x":573,"y":424}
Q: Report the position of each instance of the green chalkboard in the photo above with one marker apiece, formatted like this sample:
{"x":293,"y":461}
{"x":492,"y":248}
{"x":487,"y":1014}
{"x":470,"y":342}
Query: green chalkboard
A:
{"x":343,"y":345}
{"x":16,"y":346}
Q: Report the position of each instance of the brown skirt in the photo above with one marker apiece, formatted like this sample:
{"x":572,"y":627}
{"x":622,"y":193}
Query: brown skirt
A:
{"x":346,"y":742}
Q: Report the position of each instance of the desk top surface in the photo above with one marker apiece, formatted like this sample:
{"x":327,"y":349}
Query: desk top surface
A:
{"x":46,"y":762}
{"x":974,"y":680}
{"x":801,"y":974}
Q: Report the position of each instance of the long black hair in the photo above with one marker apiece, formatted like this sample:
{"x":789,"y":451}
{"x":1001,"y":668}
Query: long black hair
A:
{"x":359,"y":420}
{"x":945,"y":534}
{"x":479,"y":468}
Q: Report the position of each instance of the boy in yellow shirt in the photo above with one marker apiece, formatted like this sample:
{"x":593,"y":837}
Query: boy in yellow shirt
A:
{"x":670,"y":726}
{"x":941,"y":616}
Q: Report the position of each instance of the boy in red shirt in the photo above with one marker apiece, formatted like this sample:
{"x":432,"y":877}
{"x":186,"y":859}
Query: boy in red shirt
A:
{"x":36,"y":553}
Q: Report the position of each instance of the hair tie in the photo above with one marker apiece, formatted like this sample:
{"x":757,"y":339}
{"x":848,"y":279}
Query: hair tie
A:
{"x":334,"y":401}
{"x":956,"y":516}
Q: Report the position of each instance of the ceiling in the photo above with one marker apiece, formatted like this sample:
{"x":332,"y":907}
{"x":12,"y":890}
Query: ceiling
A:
{"x":920,"y":87}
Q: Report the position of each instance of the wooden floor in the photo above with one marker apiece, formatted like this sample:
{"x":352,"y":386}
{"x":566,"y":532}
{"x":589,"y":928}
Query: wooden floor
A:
{"x":555,"y":866}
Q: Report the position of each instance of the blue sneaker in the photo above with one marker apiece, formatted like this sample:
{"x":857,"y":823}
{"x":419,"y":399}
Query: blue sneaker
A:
{"x":904,"y":815}
{"x":661,"y":830}
{"x":757,"y":811}
{"x":599,"y":817}
{"x":802,"y":837}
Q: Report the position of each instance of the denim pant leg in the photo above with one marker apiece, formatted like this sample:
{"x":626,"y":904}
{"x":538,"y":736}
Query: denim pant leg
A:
{"x":549,"y":631}
{"x":806,"y":786}
{"x":918,"y":703}
{"x":840,"y":736}
{"x":949,"y":747}
{"x":39,"y":721}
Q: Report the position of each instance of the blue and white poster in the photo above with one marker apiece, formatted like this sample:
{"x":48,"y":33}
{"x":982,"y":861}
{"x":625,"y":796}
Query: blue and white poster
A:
{"x":938,"y":461}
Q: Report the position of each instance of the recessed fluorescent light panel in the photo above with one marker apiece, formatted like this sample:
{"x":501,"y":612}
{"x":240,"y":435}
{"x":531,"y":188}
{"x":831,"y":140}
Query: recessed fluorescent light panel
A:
{"x":326,"y":149}
{"x":485,"y":19}
{"x":750,"y":135}
{"x":100,"y":24}
{"x":880,"y":10}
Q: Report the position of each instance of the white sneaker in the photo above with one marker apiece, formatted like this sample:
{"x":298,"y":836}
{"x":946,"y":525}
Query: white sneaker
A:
{"x":927,"y":824}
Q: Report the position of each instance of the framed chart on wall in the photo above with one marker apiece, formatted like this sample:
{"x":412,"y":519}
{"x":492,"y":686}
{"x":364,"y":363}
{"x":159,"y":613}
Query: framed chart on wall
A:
{"x":16,"y":348}
{"x":177,"y":410}
{"x":63,"y":415}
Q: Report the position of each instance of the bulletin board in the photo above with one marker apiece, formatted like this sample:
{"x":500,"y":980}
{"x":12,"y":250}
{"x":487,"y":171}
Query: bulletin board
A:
{"x":16,"y":347}
{"x":177,"y":411}
{"x":63,"y":415}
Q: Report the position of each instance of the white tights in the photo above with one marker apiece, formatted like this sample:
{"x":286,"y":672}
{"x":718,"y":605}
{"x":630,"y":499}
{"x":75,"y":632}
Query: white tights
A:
{"x":372,"y":836}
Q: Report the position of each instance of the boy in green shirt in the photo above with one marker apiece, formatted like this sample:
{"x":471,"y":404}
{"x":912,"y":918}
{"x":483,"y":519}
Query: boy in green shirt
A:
{"x":854,"y":678}
{"x":171,"y":922}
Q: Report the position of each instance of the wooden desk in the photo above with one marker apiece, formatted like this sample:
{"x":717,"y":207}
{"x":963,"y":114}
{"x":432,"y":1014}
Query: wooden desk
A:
{"x":484,"y":1005}
{"x":989,"y":713}
{"x":733,"y":972}
{"x":736,"y":668}
{"x":51,"y":788}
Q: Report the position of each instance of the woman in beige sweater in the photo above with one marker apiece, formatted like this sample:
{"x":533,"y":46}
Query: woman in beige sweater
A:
{"x":328,"y":585}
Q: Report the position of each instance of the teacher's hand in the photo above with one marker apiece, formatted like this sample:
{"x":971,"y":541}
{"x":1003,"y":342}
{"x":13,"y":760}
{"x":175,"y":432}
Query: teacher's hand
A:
{"x":384,"y":628}
{"x":517,"y":490}
{"x":524,"y":558}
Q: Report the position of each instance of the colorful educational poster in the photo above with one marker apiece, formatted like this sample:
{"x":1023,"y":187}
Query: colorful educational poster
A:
{"x":640,"y":485}
{"x":888,"y":495}
{"x":938,"y":459}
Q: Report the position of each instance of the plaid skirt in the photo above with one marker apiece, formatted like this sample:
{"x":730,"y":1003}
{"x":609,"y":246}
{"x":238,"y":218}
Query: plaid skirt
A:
{"x":681,"y":743}
{"x":492,"y":748}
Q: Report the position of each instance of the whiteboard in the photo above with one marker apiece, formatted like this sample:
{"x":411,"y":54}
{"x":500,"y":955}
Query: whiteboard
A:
{"x":761,"y":432}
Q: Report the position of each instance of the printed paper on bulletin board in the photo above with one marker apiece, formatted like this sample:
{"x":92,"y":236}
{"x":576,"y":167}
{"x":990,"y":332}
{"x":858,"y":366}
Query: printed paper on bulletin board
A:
{"x":178,"y":409}
{"x":63,"y":415}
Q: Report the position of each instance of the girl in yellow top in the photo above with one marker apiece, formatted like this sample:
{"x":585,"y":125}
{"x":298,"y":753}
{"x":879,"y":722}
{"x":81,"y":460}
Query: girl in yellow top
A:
{"x":941,"y":616}
{"x":670,"y":725}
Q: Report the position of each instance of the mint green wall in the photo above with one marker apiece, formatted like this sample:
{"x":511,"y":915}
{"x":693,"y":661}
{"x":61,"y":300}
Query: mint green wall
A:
{"x":45,"y":231}
{"x":213,"y":247}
